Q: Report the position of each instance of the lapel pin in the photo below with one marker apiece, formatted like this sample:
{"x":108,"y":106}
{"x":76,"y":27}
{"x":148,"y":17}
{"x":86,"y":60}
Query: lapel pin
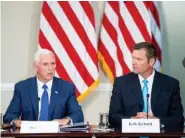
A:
{"x":56,"y":92}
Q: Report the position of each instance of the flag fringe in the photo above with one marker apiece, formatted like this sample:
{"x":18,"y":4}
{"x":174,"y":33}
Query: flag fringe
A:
{"x":88,"y":91}
{"x":105,"y":67}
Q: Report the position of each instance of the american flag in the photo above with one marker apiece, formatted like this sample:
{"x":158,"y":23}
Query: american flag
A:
{"x":125,"y":24}
{"x":68,"y":30}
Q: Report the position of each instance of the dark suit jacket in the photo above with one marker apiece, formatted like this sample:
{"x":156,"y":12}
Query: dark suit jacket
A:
{"x":127,"y":100}
{"x":24,"y":103}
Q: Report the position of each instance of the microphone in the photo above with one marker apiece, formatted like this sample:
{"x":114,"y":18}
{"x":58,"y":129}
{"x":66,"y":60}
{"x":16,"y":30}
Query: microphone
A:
{"x":183,"y":62}
{"x":147,"y":96}
{"x":38,"y":98}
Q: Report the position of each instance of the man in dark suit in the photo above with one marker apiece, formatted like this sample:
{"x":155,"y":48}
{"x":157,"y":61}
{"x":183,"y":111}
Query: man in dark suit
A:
{"x":128,"y":99}
{"x":44,"y":97}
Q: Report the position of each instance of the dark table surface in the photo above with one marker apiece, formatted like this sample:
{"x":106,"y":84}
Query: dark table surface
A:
{"x":90,"y":134}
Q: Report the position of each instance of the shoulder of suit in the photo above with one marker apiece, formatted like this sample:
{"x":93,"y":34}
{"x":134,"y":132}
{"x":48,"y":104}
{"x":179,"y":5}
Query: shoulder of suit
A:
{"x":126,"y":77}
{"x":59,"y":80}
{"x":30,"y":80}
{"x":131,"y":74}
{"x":167,"y":78}
{"x":25,"y":83}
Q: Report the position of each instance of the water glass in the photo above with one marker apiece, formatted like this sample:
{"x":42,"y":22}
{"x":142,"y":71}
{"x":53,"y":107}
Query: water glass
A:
{"x":103,"y":122}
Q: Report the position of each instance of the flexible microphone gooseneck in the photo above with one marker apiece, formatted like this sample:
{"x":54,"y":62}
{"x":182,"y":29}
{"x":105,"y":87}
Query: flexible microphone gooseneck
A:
{"x":147,"y":96}
{"x":183,"y":62}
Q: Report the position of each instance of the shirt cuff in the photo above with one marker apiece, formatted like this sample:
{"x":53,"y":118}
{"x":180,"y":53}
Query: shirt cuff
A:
{"x":70,"y":122}
{"x":12,"y":123}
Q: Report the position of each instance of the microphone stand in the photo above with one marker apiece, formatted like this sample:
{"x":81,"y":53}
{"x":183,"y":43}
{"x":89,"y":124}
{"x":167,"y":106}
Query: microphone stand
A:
{"x":147,"y":96}
{"x":183,"y":62}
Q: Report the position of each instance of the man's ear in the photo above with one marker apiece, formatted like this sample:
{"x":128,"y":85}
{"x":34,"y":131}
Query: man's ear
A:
{"x":35,"y":66}
{"x":152,"y":61}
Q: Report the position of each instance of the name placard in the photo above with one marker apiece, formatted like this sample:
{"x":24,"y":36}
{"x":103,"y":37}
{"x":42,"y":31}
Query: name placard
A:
{"x":39,"y":127}
{"x":140,"y":126}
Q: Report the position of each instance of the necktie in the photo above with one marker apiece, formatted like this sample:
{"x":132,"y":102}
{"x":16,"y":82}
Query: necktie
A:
{"x":145,"y":92}
{"x":44,"y":105}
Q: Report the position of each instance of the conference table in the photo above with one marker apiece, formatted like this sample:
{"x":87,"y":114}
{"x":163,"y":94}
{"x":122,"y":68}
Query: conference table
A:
{"x":90,"y":134}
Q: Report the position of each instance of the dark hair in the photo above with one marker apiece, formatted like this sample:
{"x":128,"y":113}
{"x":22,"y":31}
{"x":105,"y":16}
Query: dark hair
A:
{"x":149,"y":47}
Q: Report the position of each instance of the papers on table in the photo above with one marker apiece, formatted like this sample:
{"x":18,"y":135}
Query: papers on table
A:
{"x":39,"y":127}
{"x":2,"y":130}
{"x":76,"y":127}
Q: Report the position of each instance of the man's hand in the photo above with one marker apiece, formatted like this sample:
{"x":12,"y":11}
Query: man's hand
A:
{"x":143,"y":115}
{"x":134,"y":117}
{"x":17,"y":123}
{"x":151,"y":116}
{"x":63,"y":121}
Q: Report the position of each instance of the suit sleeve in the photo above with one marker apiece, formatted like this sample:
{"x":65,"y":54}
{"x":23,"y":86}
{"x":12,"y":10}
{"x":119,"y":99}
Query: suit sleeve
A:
{"x":116,"y":109}
{"x":175,"y":114}
{"x":74,"y":109}
{"x":13,"y":111}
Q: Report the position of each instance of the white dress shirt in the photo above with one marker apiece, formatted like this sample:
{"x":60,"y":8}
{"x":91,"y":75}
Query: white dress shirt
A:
{"x":41,"y":90}
{"x":149,"y":84}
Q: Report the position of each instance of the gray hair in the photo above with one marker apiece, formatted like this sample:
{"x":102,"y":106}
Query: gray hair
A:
{"x":39,"y":53}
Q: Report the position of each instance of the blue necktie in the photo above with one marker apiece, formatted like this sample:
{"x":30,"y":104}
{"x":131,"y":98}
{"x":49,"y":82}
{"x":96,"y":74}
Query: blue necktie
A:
{"x":145,"y":92}
{"x":44,"y":105}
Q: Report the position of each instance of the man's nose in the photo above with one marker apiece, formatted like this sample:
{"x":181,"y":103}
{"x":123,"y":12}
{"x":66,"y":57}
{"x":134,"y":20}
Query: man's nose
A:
{"x":50,"y":67}
{"x":133,"y":61}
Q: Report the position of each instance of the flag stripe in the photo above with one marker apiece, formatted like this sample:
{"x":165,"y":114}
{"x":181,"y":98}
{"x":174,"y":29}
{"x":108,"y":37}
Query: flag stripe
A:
{"x":138,"y":20}
{"x":151,"y":6}
{"x":60,"y":68}
{"x":58,"y":48}
{"x":87,"y":25}
{"x":130,"y":24}
{"x":125,"y":49}
{"x":108,"y":41}
{"x":155,"y":30}
{"x":157,"y":48}
{"x":79,"y":29}
{"x":125,"y":24}
{"x":143,"y":11}
{"x":76,"y":42}
{"x":110,"y":30}
{"x":126,"y":35}
{"x":74,"y":57}
{"x":115,"y":32}
{"x":110,"y":62}
{"x":68,"y":29}
{"x":88,"y":10}
{"x":141,"y":24}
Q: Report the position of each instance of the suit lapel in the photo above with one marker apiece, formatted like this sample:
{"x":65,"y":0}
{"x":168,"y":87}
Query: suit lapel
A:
{"x":54,"y":97}
{"x":136,"y":89}
{"x":155,"y":89}
{"x":34,"y":96}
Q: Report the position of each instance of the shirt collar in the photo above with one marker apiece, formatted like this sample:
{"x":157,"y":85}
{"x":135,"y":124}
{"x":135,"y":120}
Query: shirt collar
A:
{"x":40,"y":84}
{"x":150,"y":78}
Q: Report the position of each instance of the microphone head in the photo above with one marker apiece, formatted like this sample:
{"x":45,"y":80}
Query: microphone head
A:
{"x":183,"y":62}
